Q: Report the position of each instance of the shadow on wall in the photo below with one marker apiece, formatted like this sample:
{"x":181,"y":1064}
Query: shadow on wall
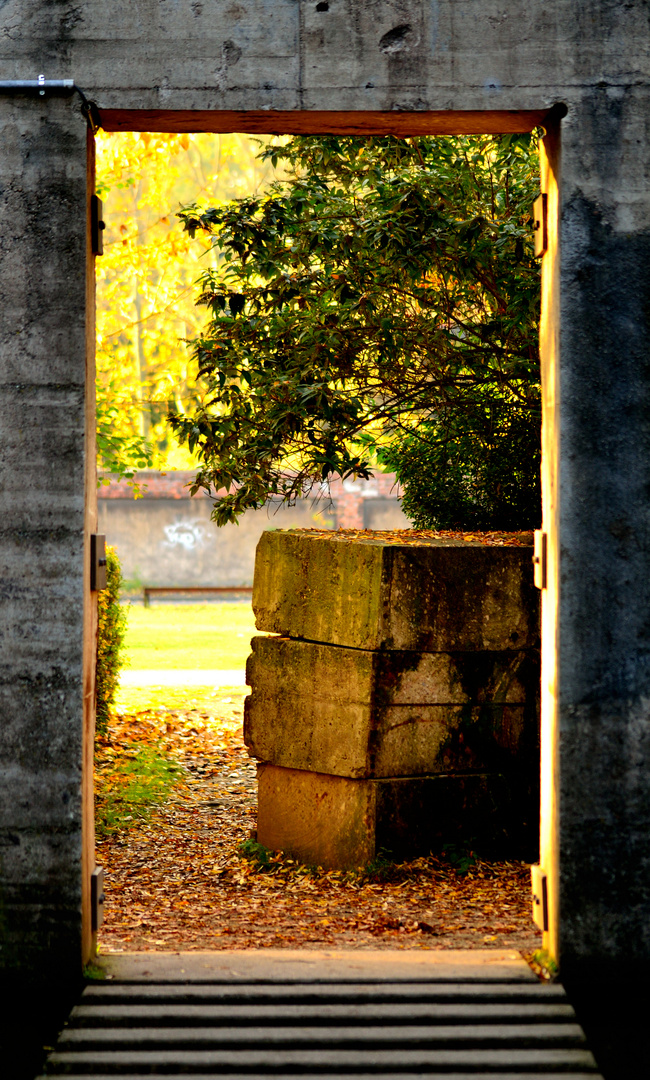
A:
{"x":167,"y":538}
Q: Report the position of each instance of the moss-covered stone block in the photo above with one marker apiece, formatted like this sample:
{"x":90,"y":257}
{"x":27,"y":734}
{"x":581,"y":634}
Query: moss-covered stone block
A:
{"x":433,"y":595}
{"x":341,"y":823}
{"x":366,"y":713}
{"x":398,"y":705}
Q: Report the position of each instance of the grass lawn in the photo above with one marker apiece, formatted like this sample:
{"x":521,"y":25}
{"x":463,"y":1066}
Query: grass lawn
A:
{"x":191,"y":636}
{"x":136,"y":699}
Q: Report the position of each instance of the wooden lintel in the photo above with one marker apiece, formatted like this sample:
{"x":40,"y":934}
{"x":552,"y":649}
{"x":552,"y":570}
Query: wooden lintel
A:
{"x":296,"y":122}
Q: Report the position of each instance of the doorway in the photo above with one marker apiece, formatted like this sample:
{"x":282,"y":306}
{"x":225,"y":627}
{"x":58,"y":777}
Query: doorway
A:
{"x":424,"y":122}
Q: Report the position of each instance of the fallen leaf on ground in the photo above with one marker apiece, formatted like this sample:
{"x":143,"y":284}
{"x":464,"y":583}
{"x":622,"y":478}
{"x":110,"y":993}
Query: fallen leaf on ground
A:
{"x":176,"y":879}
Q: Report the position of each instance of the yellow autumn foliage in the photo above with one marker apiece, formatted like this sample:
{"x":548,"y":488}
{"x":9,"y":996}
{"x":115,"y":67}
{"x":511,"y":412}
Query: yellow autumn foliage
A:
{"x":146,"y":282}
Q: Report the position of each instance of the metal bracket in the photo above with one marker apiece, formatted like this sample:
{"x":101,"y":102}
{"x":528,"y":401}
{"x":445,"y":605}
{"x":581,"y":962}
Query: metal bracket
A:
{"x":539,"y":883}
{"x":97,"y":225}
{"x":97,"y":898}
{"x":540,"y":224}
{"x":98,"y":579}
{"x":540,"y":559}
{"x":42,"y":87}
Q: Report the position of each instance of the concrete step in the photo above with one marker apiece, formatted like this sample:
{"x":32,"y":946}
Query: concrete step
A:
{"x":325,"y":1036}
{"x":240,"y":1015}
{"x":237,"y":1017}
{"x":342,"y":993}
{"x":322,"y":1062}
{"x":499,"y":1075}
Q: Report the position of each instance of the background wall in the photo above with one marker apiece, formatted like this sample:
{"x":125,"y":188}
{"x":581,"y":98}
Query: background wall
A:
{"x":167,"y":538}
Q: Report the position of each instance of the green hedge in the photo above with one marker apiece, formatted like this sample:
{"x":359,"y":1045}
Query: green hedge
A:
{"x":111,"y":629}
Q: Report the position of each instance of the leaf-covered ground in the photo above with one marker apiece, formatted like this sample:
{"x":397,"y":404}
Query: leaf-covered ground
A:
{"x":417,"y":537}
{"x":175,"y":878}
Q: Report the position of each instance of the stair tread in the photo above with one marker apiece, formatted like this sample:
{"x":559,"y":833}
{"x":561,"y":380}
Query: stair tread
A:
{"x":319,"y":991}
{"x":332,"y":1058}
{"x":473,"y":1075}
{"x":342,"y":1031}
{"x":104,"y":1014}
{"x":566,"y":1033}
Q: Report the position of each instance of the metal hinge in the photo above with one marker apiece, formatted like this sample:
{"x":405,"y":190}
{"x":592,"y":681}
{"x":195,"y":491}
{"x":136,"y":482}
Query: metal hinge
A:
{"x":97,"y":898}
{"x":97,"y":225}
{"x":540,"y":224}
{"x":97,"y":562}
{"x":540,"y":559}
{"x":539,"y":883}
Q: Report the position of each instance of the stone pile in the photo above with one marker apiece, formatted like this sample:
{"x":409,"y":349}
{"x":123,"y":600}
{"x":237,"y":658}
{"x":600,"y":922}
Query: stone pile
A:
{"x":398,"y":707}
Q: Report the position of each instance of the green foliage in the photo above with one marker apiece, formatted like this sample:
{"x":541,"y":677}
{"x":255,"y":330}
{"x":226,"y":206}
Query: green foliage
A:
{"x":382,"y":867}
{"x":383,"y":296}
{"x":111,"y":628}
{"x":543,"y":964}
{"x":460,"y":856}
{"x":145,"y":281}
{"x":93,"y":972}
{"x":256,"y":854}
{"x":473,"y":470}
{"x":128,"y":786}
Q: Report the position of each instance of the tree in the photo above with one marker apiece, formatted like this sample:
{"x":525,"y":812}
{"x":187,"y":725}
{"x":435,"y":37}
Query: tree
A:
{"x":378,"y":305}
{"x":145,"y":283}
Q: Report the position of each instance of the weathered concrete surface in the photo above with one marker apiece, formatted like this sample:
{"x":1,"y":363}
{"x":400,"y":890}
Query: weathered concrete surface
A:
{"x":42,"y":463}
{"x":230,"y":966}
{"x":336,"y":822}
{"x":358,"y":713}
{"x":436,"y":596}
{"x":173,"y":542}
{"x":164,"y":65}
{"x":603,"y":668}
{"x":286,"y":54}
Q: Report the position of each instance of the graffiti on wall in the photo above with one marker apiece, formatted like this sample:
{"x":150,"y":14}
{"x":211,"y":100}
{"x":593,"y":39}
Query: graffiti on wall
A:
{"x":187,"y":535}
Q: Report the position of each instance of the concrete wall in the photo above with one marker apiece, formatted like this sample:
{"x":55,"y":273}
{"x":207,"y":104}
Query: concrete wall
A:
{"x":43,"y":262}
{"x":604,"y":540}
{"x":417,"y":65}
{"x":168,"y":539}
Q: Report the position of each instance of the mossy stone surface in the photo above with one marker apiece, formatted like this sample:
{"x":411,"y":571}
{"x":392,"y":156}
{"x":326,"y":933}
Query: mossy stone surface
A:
{"x":341,"y":823}
{"x":366,"y":713}
{"x":436,"y":595}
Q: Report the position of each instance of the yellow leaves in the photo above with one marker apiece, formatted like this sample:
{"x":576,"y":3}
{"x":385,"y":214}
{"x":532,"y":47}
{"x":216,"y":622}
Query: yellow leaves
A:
{"x":416,"y":536}
{"x":176,"y":881}
{"x":146,"y":278}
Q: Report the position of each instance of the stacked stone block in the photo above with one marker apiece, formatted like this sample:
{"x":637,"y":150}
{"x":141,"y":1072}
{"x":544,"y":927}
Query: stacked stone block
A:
{"x":398,"y":706}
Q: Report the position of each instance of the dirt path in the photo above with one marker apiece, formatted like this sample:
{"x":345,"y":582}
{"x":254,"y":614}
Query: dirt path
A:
{"x":177,"y":880}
